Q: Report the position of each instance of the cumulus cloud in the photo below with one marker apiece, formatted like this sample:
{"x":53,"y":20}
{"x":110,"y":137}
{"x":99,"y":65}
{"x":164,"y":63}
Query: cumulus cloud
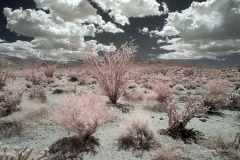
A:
{"x":121,"y":10}
{"x":208,"y":29}
{"x":145,"y":30}
{"x":110,"y":27}
{"x":58,"y":27}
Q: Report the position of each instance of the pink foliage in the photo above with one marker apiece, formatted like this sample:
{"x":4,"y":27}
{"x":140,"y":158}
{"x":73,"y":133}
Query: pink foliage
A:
{"x":216,"y":87}
{"x":110,"y":72}
{"x":162,"y":92}
{"x":83,"y":114}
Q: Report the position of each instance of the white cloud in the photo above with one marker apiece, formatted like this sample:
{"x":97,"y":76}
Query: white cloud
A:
{"x":58,"y":27}
{"x":208,"y":29}
{"x":121,"y":10}
{"x":145,"y":30}
{"x":110,"y":27}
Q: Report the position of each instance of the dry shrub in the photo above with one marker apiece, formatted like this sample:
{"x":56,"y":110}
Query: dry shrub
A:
{"x":37,"y":115}
{"x":155,"y":106}
{"x":147,"y":86}
{"x":83,"y":114}
{"x":132,"y":85}
{"x":178,"y":87}
{"x":10,"y":128}
{"x":10,"y":98}
{"x":164,"y":154}
{"x":217,"y":87}
{"x":216,"y":102}
{"x":135,"y":133}
{"x":226,"y":149}
{"x":58,"y":91}
{"x":133,"y":96}
{"x":4,"y":75}
{"x":48,"y":80}
{"x":34,"y":77}
{"x":235,"y":103}
{"x":162,"y":92}
{"x":188,"y":72}
{"x":50,"y":69}
{"x":38,"y":93}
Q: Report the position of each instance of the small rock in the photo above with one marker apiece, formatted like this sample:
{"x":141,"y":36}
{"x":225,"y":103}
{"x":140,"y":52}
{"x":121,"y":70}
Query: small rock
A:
{"x":152,"y":117}
{"x":161,"y":118}
{"x":202,"y":119}
{"x":125,"y":110}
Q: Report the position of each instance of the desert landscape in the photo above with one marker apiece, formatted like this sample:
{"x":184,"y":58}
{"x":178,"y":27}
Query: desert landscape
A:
{"x":120,"y":107}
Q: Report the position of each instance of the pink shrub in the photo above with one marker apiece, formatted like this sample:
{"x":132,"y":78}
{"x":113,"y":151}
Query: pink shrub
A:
{"x":110,"y":72}
{"x":162,"y":92}
{"x":216,"y":87}
{"x":34,"y":77}
{"x":50,"y":69}
{"x":4,"y":75}
{"x":83,"y":114}
{"x":11,"y":97}
{"x":133,"y":96}
{"x":136,"y":133}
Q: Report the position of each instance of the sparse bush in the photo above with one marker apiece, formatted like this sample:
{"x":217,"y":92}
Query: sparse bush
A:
{"x":162,"y":92}
{"x":16,"y":154}
{"x":226,"y":149}
{"x":164,"y":154}
{"x":4,"y":75}
{"x":136,"y":134}
{"x":155,"y":106}
{"x":110,"y":72}
{"x":178,"y":87}
{"x":10,"y":98}
{"x":38,"y":93}
{"x":50,"y":69}
{"x":217,"y":87}
{"x":147,"y":85}
{"x":34,"y":77}
{"x":48,"y":80}
{"x":58,"y":91}
{"x":188,"y":72}
{"x":37,"y":115}
{"x":133,"y":96}
{"x":10,"y":128}
{"x":83,"y":114}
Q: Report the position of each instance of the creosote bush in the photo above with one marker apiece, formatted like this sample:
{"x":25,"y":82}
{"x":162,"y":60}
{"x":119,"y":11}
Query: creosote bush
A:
{"x":111,"y":70}
{"x":136,"y":134}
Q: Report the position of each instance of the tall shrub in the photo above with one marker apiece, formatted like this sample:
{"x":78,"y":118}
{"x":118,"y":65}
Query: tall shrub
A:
{"x":110,"y":71}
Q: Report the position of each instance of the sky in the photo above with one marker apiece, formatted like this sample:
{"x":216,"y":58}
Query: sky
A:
{"x":203,"y":31}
